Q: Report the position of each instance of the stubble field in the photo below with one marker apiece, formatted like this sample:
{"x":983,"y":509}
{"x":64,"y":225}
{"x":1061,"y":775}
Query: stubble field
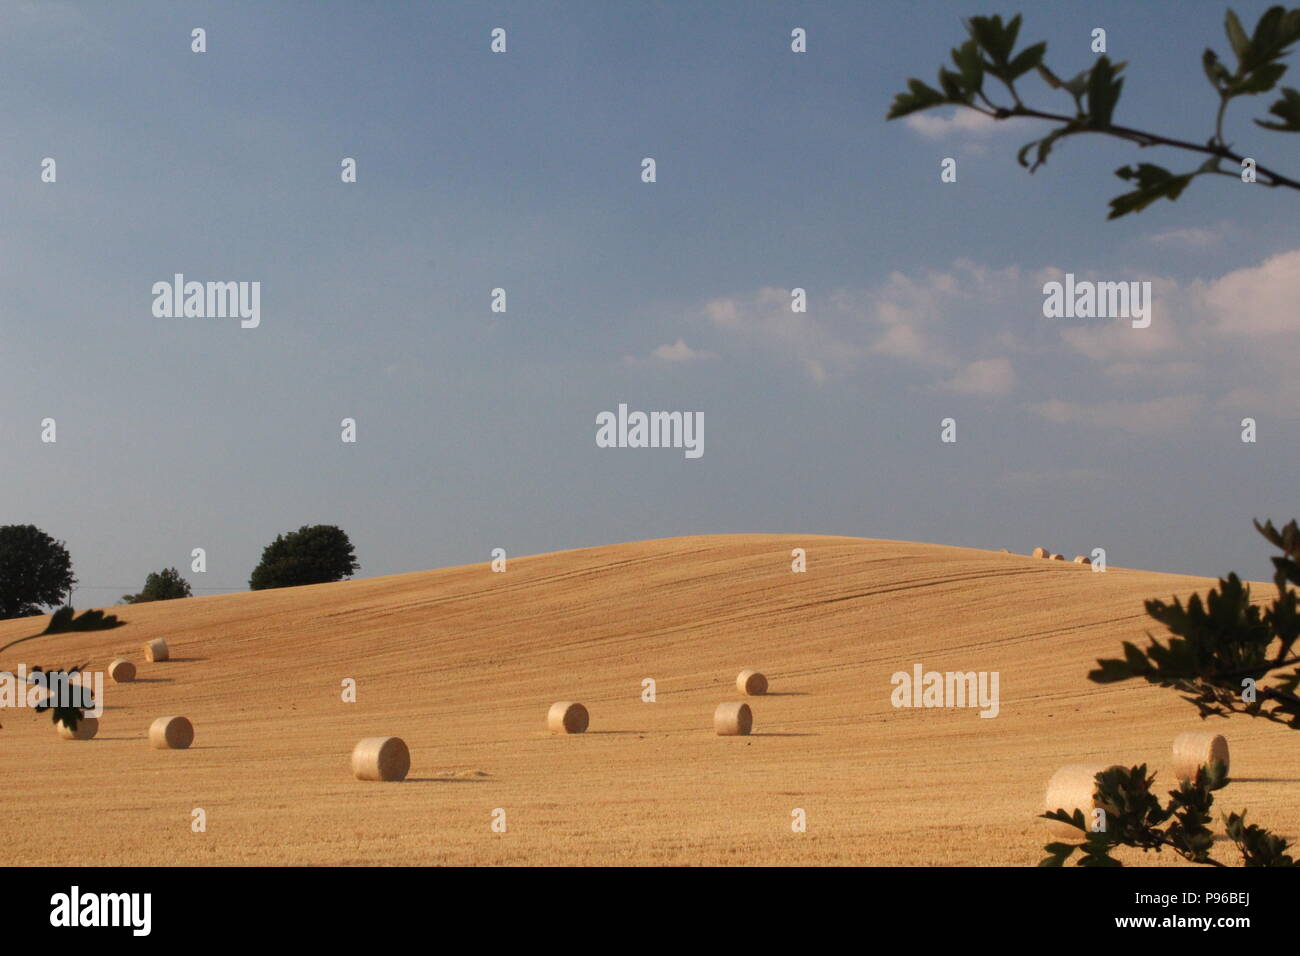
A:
{"x":462,"y":663}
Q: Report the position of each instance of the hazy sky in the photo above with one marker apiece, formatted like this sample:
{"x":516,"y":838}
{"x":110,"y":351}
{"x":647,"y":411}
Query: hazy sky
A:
{"x":522,"y":170}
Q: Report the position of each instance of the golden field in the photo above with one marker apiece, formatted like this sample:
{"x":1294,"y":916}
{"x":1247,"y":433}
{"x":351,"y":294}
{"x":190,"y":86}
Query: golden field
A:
{"x":463,"y":663}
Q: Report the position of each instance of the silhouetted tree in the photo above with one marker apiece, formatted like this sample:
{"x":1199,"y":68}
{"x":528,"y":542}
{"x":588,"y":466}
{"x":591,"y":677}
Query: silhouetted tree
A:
{"x":314,"y":554}
{"x":164,"y":585}
{"x":35,"y":571}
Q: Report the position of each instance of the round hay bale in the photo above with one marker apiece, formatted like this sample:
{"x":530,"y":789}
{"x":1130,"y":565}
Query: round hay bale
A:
{"x":751,"y":683}
{"x":1058,"y":557}
{"x":381,"y":758}
{"x":87,"y":727}
{"x":1040,"y":553}
{"x":567,"y":717}
{"x":1071,"y":788}
{"x":1198,"y":748}
{"x":733,"y":719}
{"x":1003,"y":551}
{"x":121,"y":670}
{"x":1082,"y":559}
{"x":155,"y":650}
{"x":171,"y":733}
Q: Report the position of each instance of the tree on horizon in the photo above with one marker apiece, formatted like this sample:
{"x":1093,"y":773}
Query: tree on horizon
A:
{"x":35,"y":571}
{"x":314,"y":554}
{"x":165,"y":585}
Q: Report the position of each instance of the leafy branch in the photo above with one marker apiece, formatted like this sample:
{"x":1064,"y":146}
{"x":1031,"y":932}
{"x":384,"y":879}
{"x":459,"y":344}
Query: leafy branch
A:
{"x":1220,"y":649}
{"x":1095,"y":92}
{"x":1224,"y":646}
{"x":1134,"y":816}
{"x":56,"y":683}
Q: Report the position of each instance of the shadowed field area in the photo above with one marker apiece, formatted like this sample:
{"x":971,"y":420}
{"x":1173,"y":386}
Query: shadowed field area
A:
{"x":463,"y":663}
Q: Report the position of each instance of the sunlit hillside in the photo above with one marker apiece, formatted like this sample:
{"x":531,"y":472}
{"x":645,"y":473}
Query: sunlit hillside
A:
{"x":462,"y":663}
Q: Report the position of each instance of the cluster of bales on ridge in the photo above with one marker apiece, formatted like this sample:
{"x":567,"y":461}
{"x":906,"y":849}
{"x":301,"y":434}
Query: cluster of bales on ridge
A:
{"x":1044,"y":553}
{"x":389,"y":759}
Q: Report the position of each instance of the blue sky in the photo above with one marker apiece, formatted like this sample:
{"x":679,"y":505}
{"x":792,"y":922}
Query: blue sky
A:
{"x":476,"y":170}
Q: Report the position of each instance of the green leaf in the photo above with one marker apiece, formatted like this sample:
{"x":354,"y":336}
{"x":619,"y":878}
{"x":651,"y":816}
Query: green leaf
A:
{"x":1287,"y":539}
{"x":1215,"y":71}
{"x":1154,"y":182}
{"x":1258,"y":846}
{"x":919,"y":97}
{"x":1045,"y":145}
{"x":1268,"y":41}
{"x":1260,"y":80}
{"x":967,"y":59}
{"x":1288,"y":109}
{"x":993,"y":37}
{"x":1058,"y":853}
{"x":1028,"y":58}
{"x":1062,"y":815}
{"x":1237,"y":37}
{"x":1011,"y":33}
{"x":1288,"y":31}
{"x":951,"y":84}
{"x":1104,"y":88}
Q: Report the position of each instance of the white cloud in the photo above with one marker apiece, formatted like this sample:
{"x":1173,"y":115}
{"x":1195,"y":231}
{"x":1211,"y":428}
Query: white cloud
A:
{"x":679,"y":351}
{"x":824,"y":347}
{"x":922,"y":321}
{"x":1254,"y":307}
{"x":1220,"y":346}
{"x":1164,"y":373}
{"x":1140,"y":417}
{"x":960,"y":121}
{"x":1260,"y":302}
{"x":902,"y":338}
{"x":1276,"y":397}
{"x":926,"y":320}
{"x":725,"y":312}
{"x":993,"y":376}
{"x":1216,"y":345}
{"x":907,"y":317}
{"x":1194,"y":237}
{"x":1115,"y":340}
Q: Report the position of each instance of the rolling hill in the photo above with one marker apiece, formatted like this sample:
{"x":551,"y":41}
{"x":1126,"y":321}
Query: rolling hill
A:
{"x":463,"y":663}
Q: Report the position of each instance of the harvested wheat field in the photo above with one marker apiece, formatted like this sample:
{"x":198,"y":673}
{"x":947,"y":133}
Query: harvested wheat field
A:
{"x":462,"y":664}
